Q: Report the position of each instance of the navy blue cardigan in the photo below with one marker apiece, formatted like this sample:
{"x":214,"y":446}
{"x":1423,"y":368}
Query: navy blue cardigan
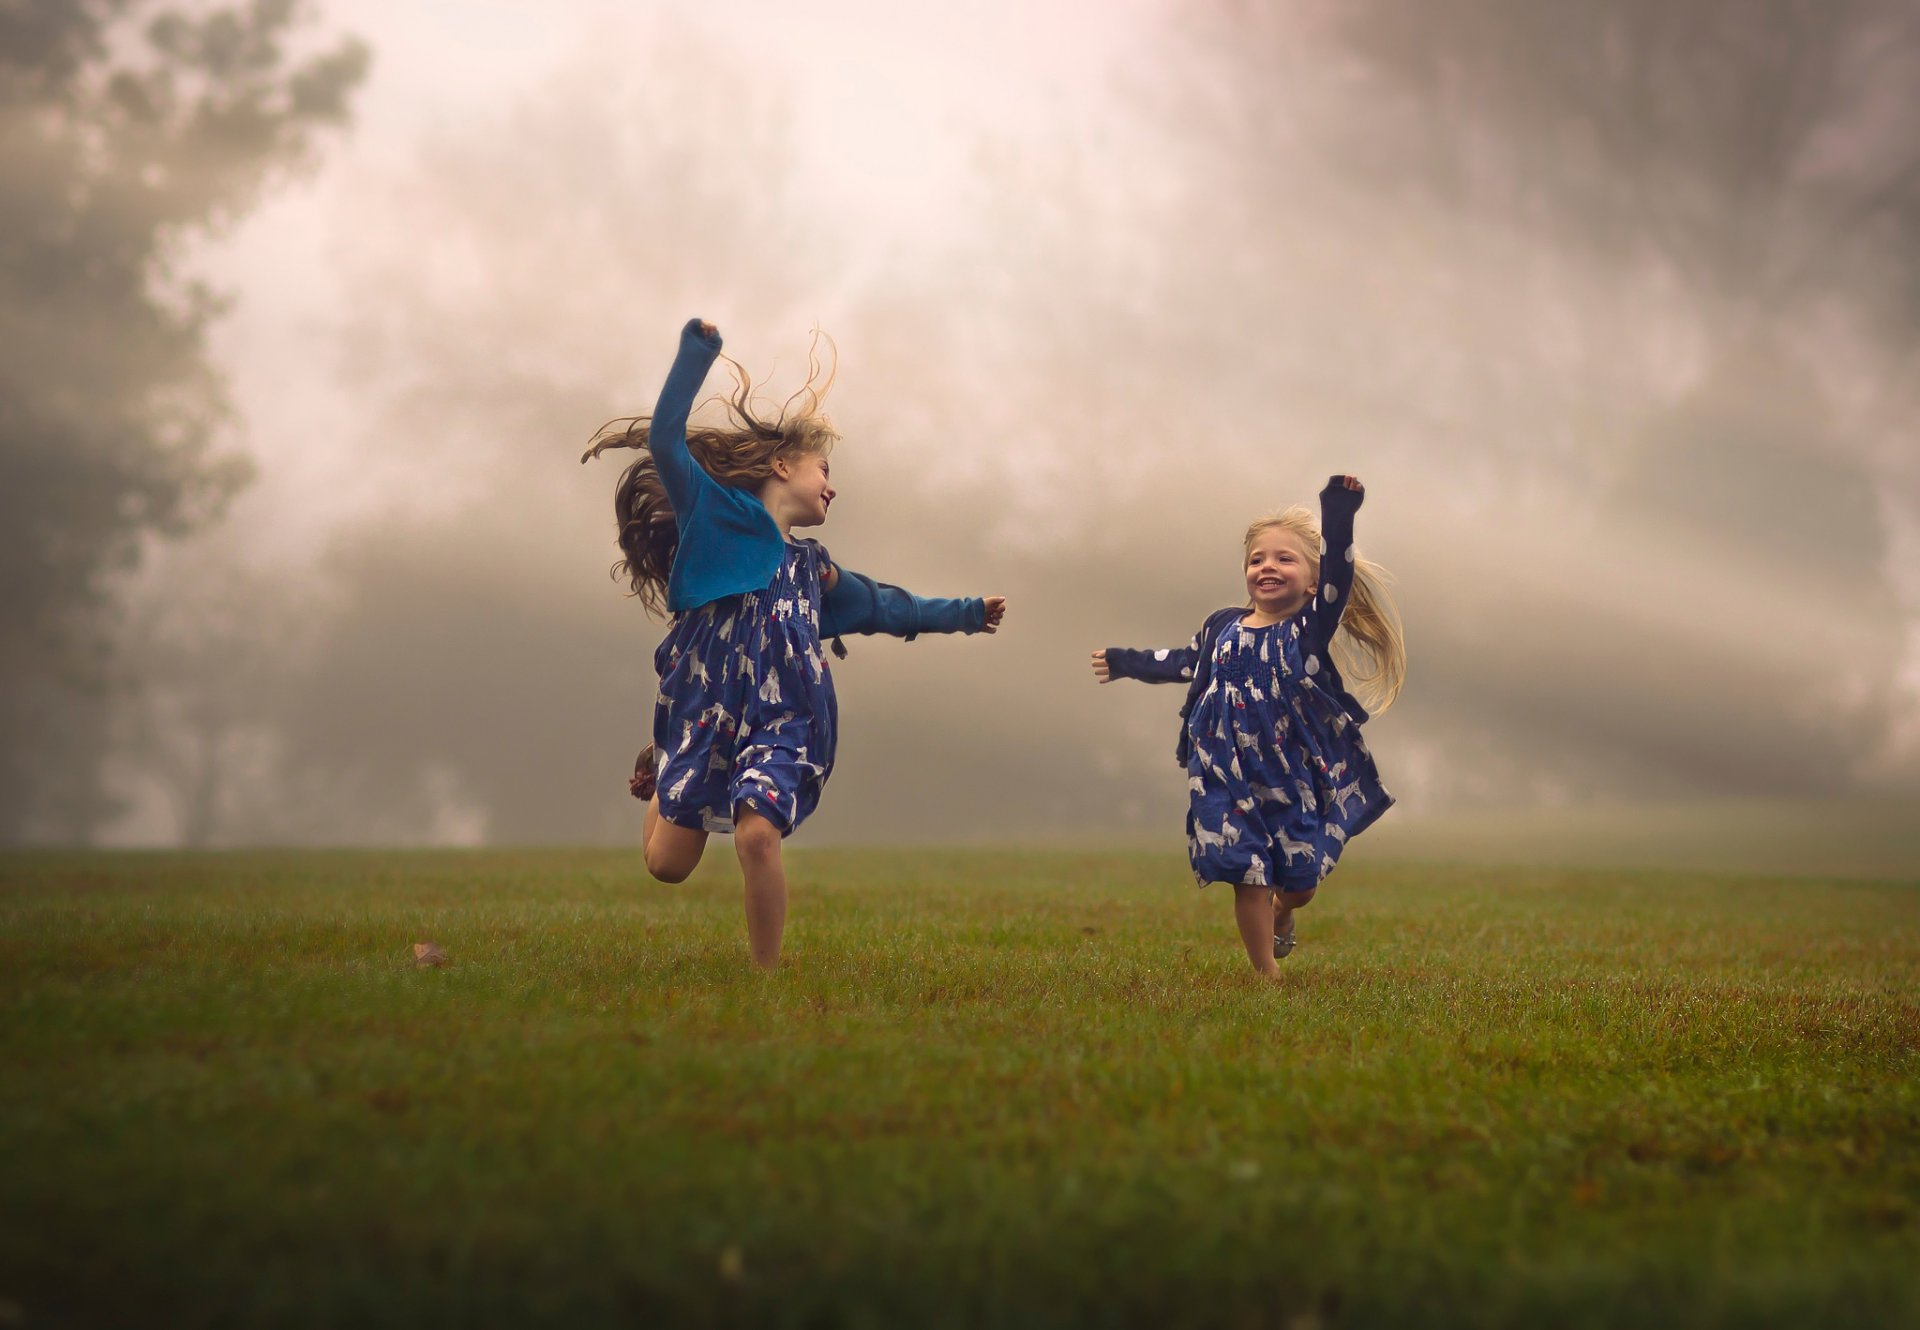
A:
{"x":729,"y":543}
{"x":1193,"y":663}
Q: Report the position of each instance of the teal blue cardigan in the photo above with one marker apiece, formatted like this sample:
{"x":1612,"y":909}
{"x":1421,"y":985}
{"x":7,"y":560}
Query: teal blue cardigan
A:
{"x":729,"y":543}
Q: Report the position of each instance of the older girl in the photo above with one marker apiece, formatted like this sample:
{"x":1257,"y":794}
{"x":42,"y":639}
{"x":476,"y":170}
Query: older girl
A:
{"x":744,"y":724}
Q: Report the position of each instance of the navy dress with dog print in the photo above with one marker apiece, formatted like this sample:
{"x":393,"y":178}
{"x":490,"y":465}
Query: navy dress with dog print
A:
{"x":1278,"y":776}
{"x":746,"y":714}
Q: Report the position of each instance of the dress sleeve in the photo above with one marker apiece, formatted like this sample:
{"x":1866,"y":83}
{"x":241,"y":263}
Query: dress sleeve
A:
{"x":667,"y":432}
{"x":1164,"y":665}
{"x":1338,"y":504}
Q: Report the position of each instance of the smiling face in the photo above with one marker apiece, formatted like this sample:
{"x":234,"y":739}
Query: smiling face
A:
{"x":807,"y":491}
{"x":1280,"y":571}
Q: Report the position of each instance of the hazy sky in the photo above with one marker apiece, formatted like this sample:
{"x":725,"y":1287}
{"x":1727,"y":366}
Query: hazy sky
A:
{"x":887,"y":110}
{"x":1086,"y":332}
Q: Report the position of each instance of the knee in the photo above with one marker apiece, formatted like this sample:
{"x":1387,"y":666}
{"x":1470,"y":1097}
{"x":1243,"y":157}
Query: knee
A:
{"x":756,"y":840}
{"x":664,"y":865}
{"x":1293,"y":900}
{"x":665,"y":870}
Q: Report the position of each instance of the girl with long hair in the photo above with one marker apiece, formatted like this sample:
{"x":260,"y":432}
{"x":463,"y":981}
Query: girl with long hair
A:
{"x":745,"y":721}
{"x":1278,"y":777}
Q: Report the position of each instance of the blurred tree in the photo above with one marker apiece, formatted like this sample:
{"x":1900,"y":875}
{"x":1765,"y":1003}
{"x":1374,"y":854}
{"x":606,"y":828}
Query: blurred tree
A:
{"x":126,"y":129}
{"x":215,"y":644}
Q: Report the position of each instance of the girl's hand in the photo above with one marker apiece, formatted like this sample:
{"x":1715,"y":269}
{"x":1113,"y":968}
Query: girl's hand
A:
{"x":996,"y":611}
{"x":707,"y":329}
{"x":1348,"y":482}
{"x":1100,"y":671}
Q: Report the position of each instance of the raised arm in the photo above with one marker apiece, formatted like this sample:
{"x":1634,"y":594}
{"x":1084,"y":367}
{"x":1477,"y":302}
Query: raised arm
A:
{"x":1339,"y":501}
{"x":667,"y":433}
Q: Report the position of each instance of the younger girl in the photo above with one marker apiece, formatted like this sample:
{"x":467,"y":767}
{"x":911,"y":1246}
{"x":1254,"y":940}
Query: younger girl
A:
{"x":744,"y":723}
{"x":1278,"y":776}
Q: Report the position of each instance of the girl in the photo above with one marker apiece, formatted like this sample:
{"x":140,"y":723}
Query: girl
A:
{"x":744,"y":723}
{"x":1278,"y":776}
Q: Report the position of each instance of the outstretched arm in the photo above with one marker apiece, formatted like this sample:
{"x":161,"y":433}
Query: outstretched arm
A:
{"x":1166,"y":665}
{"x":855,"y":603}
{"x":1339,"y":501}
{"x":667,"y":433}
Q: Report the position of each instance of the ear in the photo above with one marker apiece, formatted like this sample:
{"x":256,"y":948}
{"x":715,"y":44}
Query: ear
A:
{"x":783,"y":468}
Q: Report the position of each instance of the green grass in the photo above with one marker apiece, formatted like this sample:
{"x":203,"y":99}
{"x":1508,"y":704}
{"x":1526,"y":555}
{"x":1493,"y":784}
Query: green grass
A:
{"x":1839,"y":838}
{"x":988,"y":1088}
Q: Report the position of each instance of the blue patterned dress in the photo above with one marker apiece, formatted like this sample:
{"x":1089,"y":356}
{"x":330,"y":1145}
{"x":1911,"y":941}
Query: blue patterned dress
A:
{"x":1278,"y":776}
{"x":746,"y":715}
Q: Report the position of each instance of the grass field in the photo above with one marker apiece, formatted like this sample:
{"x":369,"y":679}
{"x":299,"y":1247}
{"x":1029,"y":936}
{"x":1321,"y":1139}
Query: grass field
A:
{"x":988,"y":1088}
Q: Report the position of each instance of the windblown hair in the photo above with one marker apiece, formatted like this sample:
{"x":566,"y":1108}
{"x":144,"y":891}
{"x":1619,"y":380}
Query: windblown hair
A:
{"x":740,"y":453}
{"x":1370,"y":646}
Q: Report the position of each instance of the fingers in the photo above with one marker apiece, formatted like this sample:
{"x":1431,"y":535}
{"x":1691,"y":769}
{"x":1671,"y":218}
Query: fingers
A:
{"x":1100,"y":670}
{"x":707,"y":329}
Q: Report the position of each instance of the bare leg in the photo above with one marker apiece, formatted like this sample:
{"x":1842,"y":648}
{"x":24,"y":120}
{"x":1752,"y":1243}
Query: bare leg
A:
{"x":672,"y":851}
{"x":757,"y":842}
{"x":1253,"y":911}
{"x":1284,"y":904}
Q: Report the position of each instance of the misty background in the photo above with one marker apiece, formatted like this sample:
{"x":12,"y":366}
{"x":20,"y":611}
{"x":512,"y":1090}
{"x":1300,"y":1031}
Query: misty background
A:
{"x":310,"y":309}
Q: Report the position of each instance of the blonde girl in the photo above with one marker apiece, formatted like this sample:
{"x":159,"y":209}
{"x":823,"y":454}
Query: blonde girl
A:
{"x":1278,"y":777}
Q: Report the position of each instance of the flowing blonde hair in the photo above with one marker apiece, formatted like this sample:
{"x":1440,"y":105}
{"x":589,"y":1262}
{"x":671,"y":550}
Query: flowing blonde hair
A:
{"x":740,"y":453}
{"x":1370,"y":646}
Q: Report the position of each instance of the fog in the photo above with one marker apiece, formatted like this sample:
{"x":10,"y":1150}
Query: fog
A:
{"x":1105,"y":283}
